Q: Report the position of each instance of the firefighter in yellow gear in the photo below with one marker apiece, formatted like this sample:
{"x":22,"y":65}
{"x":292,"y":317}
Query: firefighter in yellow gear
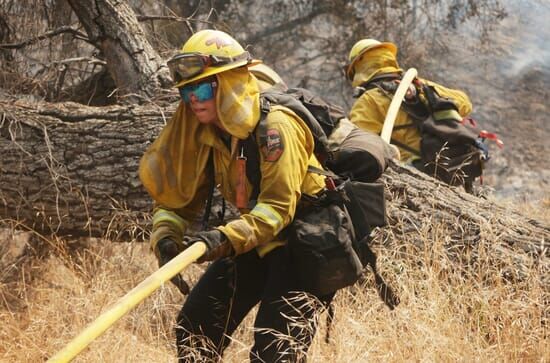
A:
{"x":371,"y":60}
{"x":201,"y":146}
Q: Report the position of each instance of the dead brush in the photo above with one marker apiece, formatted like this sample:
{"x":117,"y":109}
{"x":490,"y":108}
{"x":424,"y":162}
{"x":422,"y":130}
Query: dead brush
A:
{"x":460,"y":301}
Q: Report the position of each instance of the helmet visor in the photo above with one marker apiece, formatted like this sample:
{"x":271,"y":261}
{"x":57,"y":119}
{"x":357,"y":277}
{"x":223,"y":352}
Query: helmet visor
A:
{"x":188,"y":65}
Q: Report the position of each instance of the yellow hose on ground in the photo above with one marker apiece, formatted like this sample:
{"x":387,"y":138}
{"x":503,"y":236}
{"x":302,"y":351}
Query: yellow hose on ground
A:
{"x":128,"y":302}
{"x":396,"y":103}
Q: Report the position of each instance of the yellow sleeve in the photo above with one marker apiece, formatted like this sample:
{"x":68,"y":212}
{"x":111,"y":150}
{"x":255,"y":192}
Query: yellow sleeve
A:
{"x":368,"y":113}
{"x":460,"y":99}
{"x":173,"y":223}
{"x":284,"y":159}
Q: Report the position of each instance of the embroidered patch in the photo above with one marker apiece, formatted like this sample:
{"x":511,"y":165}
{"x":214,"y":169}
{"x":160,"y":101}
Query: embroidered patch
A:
{"x":273,"y":147}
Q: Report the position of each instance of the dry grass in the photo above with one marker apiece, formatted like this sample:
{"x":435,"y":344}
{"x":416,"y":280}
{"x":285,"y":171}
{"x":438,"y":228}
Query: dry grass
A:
{"x":539,"y":209}
{"x":450,"y":311}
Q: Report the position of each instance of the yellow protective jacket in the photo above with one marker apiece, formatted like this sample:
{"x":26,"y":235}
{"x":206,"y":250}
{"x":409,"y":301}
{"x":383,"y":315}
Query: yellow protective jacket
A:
{"x":175,"y":173}
{"x":369,"y":110}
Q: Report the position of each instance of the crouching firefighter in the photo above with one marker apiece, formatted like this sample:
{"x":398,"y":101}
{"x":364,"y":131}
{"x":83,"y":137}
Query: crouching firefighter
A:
{"x":214,"y":139}
{"x":432,"y":129}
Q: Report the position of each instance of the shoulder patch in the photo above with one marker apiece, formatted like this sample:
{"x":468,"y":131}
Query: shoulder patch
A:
{"x":272,"y":145}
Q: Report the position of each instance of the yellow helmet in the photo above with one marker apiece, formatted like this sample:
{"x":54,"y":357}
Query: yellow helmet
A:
{"x":360,"y":48}
{"x":206,"y":53}
{"x":266,"y":76}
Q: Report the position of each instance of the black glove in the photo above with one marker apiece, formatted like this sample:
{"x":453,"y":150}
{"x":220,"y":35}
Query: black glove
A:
{"x":218,"y":246}
{"x":167,"y":250}
{"x":483,"y":148}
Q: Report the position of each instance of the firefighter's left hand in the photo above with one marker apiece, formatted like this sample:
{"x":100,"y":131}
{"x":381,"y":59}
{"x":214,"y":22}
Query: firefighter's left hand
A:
{"x":218,"y":246}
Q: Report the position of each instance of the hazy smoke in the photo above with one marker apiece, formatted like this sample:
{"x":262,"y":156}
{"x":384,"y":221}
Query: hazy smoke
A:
{"x":531,"y":34}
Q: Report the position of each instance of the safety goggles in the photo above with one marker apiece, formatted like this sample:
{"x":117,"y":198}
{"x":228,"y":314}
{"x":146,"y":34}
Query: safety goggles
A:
{"x":203,"y":91}
{"x":188,"y":65}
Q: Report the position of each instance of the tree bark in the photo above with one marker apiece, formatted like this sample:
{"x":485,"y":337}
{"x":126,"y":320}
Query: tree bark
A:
{"x":137,"y":69}
{"x":423,"y":211}
{"x":73,"y":169}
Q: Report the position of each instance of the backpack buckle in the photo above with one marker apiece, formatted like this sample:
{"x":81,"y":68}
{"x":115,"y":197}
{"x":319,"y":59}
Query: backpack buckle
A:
{"x":358,"y":91}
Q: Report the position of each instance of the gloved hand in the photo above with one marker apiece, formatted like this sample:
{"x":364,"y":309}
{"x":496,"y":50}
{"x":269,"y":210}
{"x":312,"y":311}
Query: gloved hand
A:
{"x":395,"y":153}
{"x":218,"y":246}
{"x":483,"y":148}
{"x":167,"y":250}
{"x":410,"y":95}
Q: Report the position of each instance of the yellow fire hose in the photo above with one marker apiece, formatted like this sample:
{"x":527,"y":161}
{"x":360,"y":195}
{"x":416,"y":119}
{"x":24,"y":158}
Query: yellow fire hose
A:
{"x":396,"y":103}
{"x":128,"y":302}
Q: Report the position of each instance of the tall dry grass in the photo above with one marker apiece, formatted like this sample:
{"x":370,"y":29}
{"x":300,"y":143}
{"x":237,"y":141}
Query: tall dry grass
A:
{"x":461,"y":306}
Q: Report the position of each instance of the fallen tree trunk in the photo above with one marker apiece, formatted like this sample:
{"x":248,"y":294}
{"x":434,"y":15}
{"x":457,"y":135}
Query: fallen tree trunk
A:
{"x":72,"y":170}
{"x":424,"y":212}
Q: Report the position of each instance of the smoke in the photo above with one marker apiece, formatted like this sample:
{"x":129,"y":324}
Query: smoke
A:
{"x":528,"y":26}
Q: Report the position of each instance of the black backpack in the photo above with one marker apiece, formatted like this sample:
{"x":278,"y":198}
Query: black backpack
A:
{"x":452,"y":149}
{"x":330,"y":233}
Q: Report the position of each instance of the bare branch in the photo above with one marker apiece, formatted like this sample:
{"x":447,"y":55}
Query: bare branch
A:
{"x":162,"y":17}
{"x":288,"y":25}
{"x":50,"y":34}
{"x":175,"y":18}
{"x":90,"y":60}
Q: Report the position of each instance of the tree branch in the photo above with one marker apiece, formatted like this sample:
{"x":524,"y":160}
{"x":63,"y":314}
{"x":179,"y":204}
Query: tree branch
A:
{"x":162,"y":17}
{"x":50,"y":34}
{"x":288,"y":25}
{"x":174,"y":18}
{"x":90,"y":60}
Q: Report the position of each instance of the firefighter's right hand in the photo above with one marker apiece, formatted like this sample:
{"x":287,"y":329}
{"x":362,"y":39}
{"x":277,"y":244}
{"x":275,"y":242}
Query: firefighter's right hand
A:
{"x":167,"y":250}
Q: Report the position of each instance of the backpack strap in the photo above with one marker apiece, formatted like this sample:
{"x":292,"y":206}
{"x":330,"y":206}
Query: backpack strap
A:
{"x":316,"y":170}
{"x":401,"y":127}
{"x":252,"y":152}
{"x":330,"y":319}
{"x":371,"y":83}
{"x":208,"y":206}
{"x":253,"y":172}
{"x":405,"y":147}
{"x":384,"y":290}
{"x":295,"y":100}
{"x":415,"y":108}
{"x":387,"y":84}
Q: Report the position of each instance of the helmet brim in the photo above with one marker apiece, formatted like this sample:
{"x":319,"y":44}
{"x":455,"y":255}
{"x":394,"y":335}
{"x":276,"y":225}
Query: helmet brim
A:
{"x":390,"y":46}
{"x":210,"y":71}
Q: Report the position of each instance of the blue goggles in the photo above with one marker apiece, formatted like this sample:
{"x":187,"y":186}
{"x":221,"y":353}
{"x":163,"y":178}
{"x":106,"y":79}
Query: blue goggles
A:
{"x":203,"y":91}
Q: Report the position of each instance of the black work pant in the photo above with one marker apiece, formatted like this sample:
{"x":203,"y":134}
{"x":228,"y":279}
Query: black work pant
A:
{"x":229,"y":289}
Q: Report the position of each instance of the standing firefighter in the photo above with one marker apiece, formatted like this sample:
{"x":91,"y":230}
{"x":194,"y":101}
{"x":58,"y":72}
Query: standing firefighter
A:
{"x":204,"y":145}
{"x":430,"y":128}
